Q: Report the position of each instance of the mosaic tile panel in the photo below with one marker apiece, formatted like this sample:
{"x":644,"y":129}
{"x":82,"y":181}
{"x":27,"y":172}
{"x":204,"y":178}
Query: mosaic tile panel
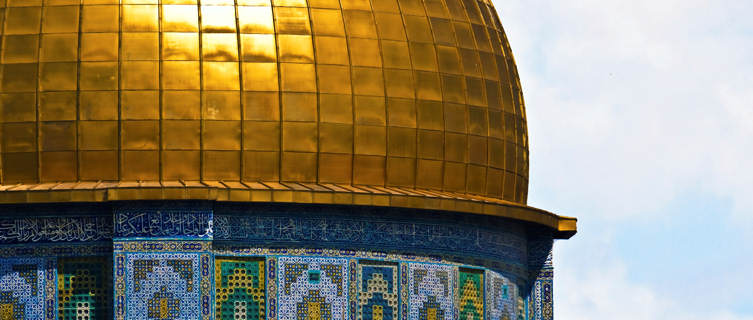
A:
{"x":471,"y":294}
{"x":377,"y":291}
{"x":542,"y":275}
{"x":502,"y":298}
{"x":312,"y":288}
{"x":84,"y":288}
{"x":240,"y":289}
{"x":23,"y":288}
{"x":163,"y":286}
{"x":431,"y":291}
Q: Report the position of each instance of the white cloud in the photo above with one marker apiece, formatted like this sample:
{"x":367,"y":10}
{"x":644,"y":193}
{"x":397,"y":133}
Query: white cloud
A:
{"x":632,"y":105}
{"x":634,"y":97}
{"x":604,"y":291}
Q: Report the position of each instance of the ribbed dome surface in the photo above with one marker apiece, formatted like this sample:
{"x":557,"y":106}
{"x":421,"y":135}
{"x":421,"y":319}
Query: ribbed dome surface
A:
{"x":413,"y":94}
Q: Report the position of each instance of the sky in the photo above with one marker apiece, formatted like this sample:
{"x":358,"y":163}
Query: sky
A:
{"x":640,"y":117}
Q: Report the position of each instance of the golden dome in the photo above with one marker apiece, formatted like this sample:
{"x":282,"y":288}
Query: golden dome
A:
{"x":412,"y":103}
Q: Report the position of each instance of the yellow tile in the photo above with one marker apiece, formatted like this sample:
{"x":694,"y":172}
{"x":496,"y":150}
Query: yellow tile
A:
{"x":57,"y":166}
{"x":181,"y":75}
{"x":221,"y":76}
{"x":401,"y":172}
{"x":181,"y":105}
{"x":98,"y":105}
{"x":261,"y":165}
{"x":100,"y":18}
{"x":98,"y":135}
{"x":23,"y":20}
{"x":19,"y":77}
{"x":20,"y":48}
{"x":334,"y":79}
{"x":140,"y":46}
{"x":140,"y":18}
{"x":61,"y":19}
{"x":140,"y":165}
{"x":258,"y":48}
{"x":180,"y":18}
{"x":139,"y":105}
{"x":370,"y":140}
{"x":221,"y":135}
{"x":58,"y":76}
{"x":140,"y":135}
{"x":399,"y":83}
{"x":336,"y":138}
{"x":402,"y":142}
{"x":261,"y":105}
{"x":221,"y":105}
{"x":299,"y":136}
{"x":299,"y":106}
{"x":368,"y":170}
{"x":59,"y":47}
{"x":331,"y":50}
{"x":401,"y":112}
{"x":327,"y":22}
{"x":18,"y":107}
{"x":180,"y":46}
{"x":181,"y":165}
{"x":255,"y":19}
{"x":368,"y":81}
{"x":260,"y":77}
{"x":335,"y":168}
{"x":181,"y":134}
{"x":261,"y":135}
{"x":219,"y":47}
{"x":370,"y":111}
{"x":297,"y":77}
{"x":336,"y":108}
{"x":57,"y":106}
{"x":99,"y":46}
{"x":222,"y":165}
{"x":360,"y":23}
{"x":140,"y":74}
{"x":295,"y":48}
{"x":365,"y":52}
{"x":19,"y":137}
{"x":218,"y":19}
{"x":292,"y":20}
{"x":297,"y":166}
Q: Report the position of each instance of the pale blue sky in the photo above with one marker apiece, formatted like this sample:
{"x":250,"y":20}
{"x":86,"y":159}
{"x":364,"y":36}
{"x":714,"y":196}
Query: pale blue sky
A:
{"x":641,"y":124}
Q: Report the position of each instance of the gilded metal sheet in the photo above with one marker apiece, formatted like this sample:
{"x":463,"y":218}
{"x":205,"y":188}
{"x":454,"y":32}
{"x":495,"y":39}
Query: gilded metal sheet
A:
{"x":416,"y":94}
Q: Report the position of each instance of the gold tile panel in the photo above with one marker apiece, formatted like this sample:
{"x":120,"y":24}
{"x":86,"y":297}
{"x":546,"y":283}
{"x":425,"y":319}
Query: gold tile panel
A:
{"x":388,"y":94}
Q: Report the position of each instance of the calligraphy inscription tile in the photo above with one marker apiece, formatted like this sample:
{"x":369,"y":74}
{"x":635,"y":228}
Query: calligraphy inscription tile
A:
{"x":312,"y":288}
{"x":188,"y":224}
{"x":22,"y":288}
{"x":431,"y":291}
{"x":163,"y":286}
{"x":55,"y":229}
{"x":502,"y":299}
